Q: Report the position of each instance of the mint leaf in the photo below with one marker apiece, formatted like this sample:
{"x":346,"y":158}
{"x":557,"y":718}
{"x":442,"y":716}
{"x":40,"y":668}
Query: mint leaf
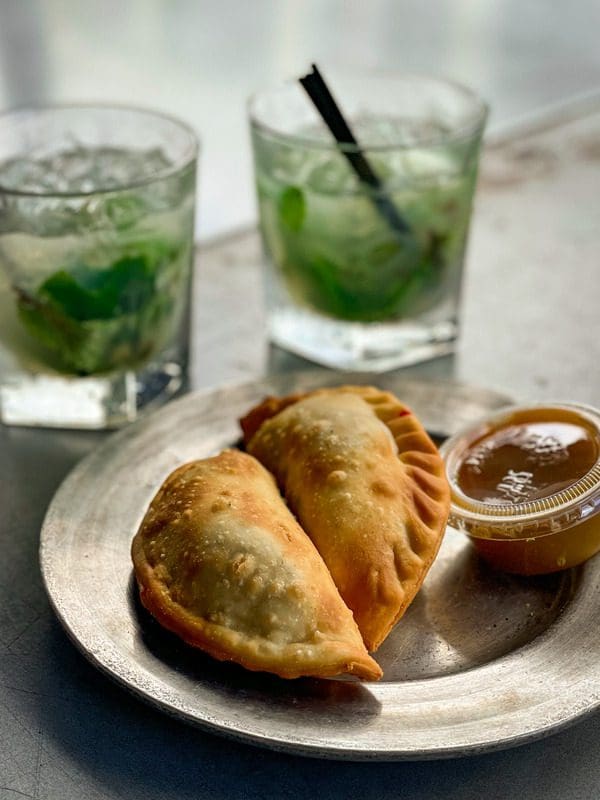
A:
{"x":292,"y":208}
{"x":95,"y":319}
{"x":46,"y":323}
{"x":74,"y":300}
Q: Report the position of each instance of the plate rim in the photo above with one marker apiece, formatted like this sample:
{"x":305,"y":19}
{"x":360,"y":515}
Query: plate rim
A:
{"x":235,"y":732}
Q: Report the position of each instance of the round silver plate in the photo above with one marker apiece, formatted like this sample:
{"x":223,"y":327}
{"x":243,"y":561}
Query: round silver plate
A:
{"x":481,"y":660}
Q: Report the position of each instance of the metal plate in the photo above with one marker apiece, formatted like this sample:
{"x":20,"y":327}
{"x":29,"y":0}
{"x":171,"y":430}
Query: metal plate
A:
{"x":481,"y":660}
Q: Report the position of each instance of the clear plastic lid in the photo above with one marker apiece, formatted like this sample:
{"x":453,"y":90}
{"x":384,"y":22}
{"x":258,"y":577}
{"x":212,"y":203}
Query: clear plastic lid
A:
{"x":546,"y":514}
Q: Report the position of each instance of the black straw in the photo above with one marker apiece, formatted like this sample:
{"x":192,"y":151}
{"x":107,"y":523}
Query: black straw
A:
{"x":319,"y":93}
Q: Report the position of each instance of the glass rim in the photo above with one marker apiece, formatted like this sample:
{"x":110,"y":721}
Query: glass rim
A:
{"x":189,"y":157}
{"x":476,"y":126}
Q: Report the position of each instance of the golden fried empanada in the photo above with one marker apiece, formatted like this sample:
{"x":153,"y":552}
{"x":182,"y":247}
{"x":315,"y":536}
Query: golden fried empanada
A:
{"x":368,"y":486}
{"x":221,"y":562}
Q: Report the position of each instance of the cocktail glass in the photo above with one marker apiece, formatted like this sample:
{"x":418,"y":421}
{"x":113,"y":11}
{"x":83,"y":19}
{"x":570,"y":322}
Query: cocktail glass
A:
{"x":96,"y":247}
{"x":345,"y":287}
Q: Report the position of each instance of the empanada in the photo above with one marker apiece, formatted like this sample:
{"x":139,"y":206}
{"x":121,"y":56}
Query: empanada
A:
{"x":368,"y":486}
{"x":221,"y":562}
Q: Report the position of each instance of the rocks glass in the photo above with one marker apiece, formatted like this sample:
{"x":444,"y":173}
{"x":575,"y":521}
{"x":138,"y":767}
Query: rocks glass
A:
{"x":347,"y":286}
{"x":96,"y":248}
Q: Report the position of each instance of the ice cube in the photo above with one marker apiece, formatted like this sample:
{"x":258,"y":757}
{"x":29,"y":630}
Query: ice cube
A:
{"x":82,"y":170}
{"x":331,"y":174}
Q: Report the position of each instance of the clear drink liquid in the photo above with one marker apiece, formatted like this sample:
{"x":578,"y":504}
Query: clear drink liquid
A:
{"x":94,"y":287}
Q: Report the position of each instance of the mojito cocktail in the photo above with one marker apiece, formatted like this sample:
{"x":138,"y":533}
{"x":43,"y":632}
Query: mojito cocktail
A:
{"x":344,"y":286}
{"x":96,"y":238}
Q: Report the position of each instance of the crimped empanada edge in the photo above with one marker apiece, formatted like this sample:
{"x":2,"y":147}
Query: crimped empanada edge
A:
{"x":401,"y":421}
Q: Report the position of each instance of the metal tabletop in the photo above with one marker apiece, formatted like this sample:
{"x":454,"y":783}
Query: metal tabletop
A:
{"x":530,"y":330}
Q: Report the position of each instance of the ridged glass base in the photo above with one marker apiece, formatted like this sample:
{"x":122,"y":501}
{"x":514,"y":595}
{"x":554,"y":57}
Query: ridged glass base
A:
{"x":94,"y":402}
{"x":371,"y":347}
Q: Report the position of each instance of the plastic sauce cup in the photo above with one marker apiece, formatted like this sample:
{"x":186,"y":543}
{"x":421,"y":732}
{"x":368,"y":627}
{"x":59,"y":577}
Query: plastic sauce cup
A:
{"x":525,"y":486}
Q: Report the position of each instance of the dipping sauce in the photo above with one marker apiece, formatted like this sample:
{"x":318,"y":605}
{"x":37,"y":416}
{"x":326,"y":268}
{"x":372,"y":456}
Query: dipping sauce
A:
{"x":526,"y":487}
{"x":526,"y":461}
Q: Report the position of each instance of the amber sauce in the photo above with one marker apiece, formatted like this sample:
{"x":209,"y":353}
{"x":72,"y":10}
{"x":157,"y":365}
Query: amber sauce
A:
{"x":533,"y":455}
{"x":528,"y":461}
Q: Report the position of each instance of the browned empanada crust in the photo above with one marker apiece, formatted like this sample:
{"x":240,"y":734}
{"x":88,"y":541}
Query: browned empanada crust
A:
{"x":221,"y":562}
{"x":366,"y":483}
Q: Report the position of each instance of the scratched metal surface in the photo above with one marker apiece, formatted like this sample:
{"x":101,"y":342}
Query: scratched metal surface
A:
{"x":530,"y":330}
